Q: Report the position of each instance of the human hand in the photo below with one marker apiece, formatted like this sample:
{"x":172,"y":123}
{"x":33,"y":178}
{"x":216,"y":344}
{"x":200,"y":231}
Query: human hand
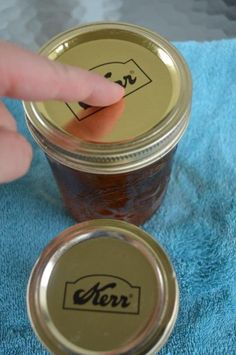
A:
{"x":28,"y":76}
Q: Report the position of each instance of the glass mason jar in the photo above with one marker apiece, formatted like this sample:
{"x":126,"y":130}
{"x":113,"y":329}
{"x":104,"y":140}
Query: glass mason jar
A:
{"x":115,"y":162}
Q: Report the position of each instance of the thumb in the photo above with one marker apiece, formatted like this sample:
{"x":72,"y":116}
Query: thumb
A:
{"x":15,"y":151}
{"x":15,"y":155}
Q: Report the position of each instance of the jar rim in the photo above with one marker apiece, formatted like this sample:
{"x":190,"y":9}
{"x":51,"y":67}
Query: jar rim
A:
{"x":115,"y":157}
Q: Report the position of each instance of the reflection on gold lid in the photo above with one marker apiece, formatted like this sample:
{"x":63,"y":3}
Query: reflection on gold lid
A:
{"x":94,"y":123}
{"x":145,"y":70}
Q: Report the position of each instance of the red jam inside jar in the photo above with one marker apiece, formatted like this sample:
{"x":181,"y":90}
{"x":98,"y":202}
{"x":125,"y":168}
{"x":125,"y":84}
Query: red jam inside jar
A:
{"x":133,"y":196}
{"x":115,"y":162}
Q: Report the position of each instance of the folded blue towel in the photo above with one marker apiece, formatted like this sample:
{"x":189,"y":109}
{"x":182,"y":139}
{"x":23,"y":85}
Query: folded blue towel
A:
{"x":196,"y":223}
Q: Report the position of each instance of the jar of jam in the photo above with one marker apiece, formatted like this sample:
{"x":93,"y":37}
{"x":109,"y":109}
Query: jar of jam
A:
{"x":115,"y":162}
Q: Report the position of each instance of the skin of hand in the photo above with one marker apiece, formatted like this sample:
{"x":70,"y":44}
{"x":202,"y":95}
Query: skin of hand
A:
{"x":28,"y":76}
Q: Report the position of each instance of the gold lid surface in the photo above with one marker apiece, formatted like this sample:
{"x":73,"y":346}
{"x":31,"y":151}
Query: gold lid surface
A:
{"x":148,"y":121}
{"x":147,"y":73}
{"x":103,"y":286}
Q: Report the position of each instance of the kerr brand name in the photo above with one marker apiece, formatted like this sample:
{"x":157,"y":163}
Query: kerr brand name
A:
{"x":128,"y":74}
{"x":124,"y":82}
{"x":102,"y":293}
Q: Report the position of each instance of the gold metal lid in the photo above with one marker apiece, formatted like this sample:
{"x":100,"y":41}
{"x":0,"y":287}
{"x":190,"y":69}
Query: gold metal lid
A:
{"x":103,"y":287}
{"x":142,"y":127}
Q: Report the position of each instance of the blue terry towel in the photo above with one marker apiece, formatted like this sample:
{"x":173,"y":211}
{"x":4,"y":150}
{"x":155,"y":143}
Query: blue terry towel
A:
{"x":196,"y":223}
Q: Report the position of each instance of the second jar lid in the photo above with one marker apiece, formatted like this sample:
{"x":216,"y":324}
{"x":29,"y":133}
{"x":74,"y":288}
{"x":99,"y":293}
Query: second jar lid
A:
{"x":103,"y":287}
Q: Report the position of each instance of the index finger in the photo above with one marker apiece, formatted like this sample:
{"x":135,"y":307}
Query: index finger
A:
{"x":28,"y":76}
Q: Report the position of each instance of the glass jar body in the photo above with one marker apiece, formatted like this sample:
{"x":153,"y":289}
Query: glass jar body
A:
{"x":132,"y":196}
